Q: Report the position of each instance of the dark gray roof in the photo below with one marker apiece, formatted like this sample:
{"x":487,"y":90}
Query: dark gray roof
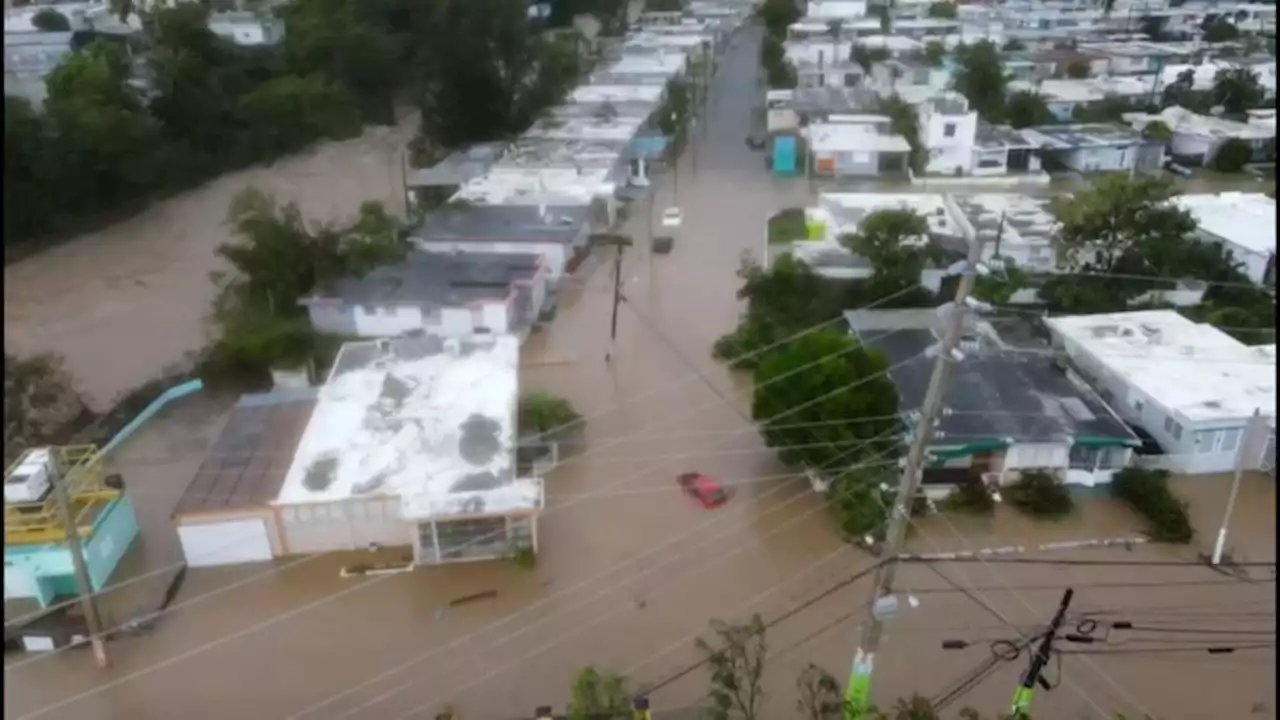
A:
{"x":439,"y":279}
{"x":458,"y":167}
{"x":506,"y":223}
{"x":1002,"y":389}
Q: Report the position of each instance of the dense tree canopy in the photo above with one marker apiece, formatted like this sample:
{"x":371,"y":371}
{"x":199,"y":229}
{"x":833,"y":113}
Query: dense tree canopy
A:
{"x":1237,"y":90}
{"x":100,"y":146}
{"x":1027,"y":109}
{"x":809,"y":385}
{"x":981,"y":79}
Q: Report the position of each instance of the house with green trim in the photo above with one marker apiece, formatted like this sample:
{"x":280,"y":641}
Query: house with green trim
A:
{"x":1011,"y":406}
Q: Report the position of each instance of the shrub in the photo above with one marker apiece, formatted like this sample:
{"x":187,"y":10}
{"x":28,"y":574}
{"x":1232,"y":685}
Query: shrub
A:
{"x":1040,"y":494}
{"x":524,"y":557}
{"x":543,"y":413}
{"x":1233,"y":154}
{"x":970,"y":496}
{"x":1147,"y":492}
{"x":787,"y":226}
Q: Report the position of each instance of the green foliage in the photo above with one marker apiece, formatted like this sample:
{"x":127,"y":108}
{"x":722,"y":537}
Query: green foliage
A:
{"x":783,"y":300}
{"x":1157,"y":130}
{"x":1148,"y":493}
{"x":777,"y":16}
{"x":904,"y":121}
{"x":1079,"y":69}
{"x":895,"y":241}
{"x":804,"y":385}
{"x":943,"y":9}
{"x":934,"y":53}
{"x":980,"y":77}
{"x":1027,"y":109}
{"x":1232,"y":155}
{"x":545,"y":413}
{"x":286,"y":112}
{"x":1237,"y":90}
{"x":524,"y":557}
{"x":1218,"y":29}
{"x":1109,"y":109}
{"x":676,"y":112}
{"x":50,"y":20}
{"x":787,"y":225}
{"x":866,"y":56}
{"x":599,"y":696}
{"x":1006,"y":279}
{"x":860,"y":506}
{"x":276,"y":261}
{"x":818,"y":695}
{"x":970,"y":496}
{"x":1040,"y":494}
{"x":735,"y":656}
{"x":779,"y":74}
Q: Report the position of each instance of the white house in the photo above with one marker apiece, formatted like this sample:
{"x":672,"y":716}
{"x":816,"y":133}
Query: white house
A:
{"x":410,"y":443}
{"x":1189,"y":385}
{"x":445,"y":294}
{"x":1244,"y":223}
{"x":554,"y":232}
{"x":948,"y":128}
{"x":247,"y":29}
{"x":1197,"y":138}
{"x":854,"y":146}
{"x":1099,"y":147}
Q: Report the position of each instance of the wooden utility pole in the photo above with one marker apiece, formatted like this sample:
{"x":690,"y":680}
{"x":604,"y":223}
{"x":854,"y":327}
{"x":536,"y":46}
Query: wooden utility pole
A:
{"x":84,"y":585}
{"x":858,"y":692}
{"x":619,"y":242}
{"x":1039,"y":661}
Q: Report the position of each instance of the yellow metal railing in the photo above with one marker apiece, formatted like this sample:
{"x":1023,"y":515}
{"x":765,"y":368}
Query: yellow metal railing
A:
{"x":41,"y":521}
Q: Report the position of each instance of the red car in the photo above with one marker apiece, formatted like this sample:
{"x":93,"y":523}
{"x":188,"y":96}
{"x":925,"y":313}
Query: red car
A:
{"x":703,"y":489}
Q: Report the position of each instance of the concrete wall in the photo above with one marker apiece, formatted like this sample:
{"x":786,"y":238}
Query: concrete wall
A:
{"x":43,"y":571}
{"x":1100,"y":159}
{"x":948,"y":153}
{"x":113,"y":532}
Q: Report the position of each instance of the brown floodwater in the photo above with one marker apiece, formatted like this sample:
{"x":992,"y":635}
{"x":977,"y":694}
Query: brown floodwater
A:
{"x":629,"y":570}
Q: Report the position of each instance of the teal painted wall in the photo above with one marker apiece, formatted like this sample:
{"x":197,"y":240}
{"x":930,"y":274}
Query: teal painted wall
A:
{"x":47,"y":569}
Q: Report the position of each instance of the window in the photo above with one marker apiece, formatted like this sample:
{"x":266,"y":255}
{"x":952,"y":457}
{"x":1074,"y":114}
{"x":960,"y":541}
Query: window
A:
{"x":1173,"y":427}
{"x":476,"y":537}
{"x":1223,"y":440}
{"x":949,"y":130}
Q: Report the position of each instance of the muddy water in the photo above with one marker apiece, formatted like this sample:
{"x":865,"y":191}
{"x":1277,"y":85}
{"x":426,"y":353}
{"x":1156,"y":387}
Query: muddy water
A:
{"x":629,"y":569}
{"x":123,"y":303}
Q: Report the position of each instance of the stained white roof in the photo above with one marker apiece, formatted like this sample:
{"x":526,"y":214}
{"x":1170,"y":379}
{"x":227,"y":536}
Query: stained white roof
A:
{"x":616,"y":93}
{"x":1191,"y":368}
{"x":853,"y":137}
{"x":429,"y":420}
{"x":1247,"y":220}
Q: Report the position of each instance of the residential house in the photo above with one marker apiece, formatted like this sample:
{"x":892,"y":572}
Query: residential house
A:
{"x":836,"y":214}
{"x":1054,"y":62}
{"x":854,"y":146}
{"x":911,"y":78}
{"x":445,"y":294}
{"x":442,"y":180}
{"x":557,"y":233}
{"x":948,"y":128}
{"x":410,"y":443}
{"x":1139,"y":57}
{"x":1197,"y":138}
{"x":1000,"y":150}
{"x":824,"y":10}
{"x":1009,"y":408}
{"x":28,"y":58}
{"x":1103,"y":147}
{"x":247,"y":29}
{"x":1019,"y":228}
{"x":1064,"y":97}
{"x":1188,"y":385}
{"x":1243,"y":223}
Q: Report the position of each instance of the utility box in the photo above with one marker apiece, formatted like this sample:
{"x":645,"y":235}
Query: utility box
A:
{"x":29,"y":479}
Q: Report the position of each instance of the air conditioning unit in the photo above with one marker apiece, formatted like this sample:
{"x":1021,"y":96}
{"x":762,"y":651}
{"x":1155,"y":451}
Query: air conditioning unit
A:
{"x":30,"y":480}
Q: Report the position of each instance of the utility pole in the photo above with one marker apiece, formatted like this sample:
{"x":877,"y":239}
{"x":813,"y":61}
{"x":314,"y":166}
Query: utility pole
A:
{"x":1245,"y":436}
{"x":858,"y":692}
{"x":84,"y":586}
{"x":618,"y":243}
{"x":1027,"y":688}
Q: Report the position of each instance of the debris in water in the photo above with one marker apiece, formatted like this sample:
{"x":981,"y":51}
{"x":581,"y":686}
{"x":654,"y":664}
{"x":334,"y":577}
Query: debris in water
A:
{"x":486,"y":595}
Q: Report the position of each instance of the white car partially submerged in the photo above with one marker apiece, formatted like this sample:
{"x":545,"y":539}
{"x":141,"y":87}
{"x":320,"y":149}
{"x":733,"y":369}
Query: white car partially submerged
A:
{"x":671,"y":217}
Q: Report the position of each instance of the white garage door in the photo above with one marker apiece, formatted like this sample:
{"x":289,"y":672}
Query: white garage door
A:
{"x":225,"y":543}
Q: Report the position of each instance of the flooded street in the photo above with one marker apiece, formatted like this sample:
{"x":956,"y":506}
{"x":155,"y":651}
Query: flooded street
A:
{"x":629,"y":570}
{"x":124,"y":303}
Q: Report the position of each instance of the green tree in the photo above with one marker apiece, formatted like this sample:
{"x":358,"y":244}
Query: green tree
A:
{"x":1217,"y":28}
{"x":676,"y":113}
{"x":1025,"y":108}
{"x":866,"y":57}
{"x":286,"y":114}
{"x":1109,"y":109}
{"x":1119,"y":226}
{"x":1237,"y":90}
{"x":777,"y":16}
{"x":543,"y":413}
{"x":1158,"y":131}
{"x":980,"y":77}
{"x":781,"y":301}
{"x":818,"y":378}
{"x":504,"y":89}
{"x":1181,"y":92}
{"x":736,"y":656}
{"x":599,"y":696}
{"x":1005,"y":279}
{"x":50,"y":20}
{"x":904,"y":121}
{"x":1232,"y":155}
{"x":896,"y":242}
{"x":934,"y":53}
{"x":943,"y":9}
{"x":1079,"y":69}
{"x":779,"y":74}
